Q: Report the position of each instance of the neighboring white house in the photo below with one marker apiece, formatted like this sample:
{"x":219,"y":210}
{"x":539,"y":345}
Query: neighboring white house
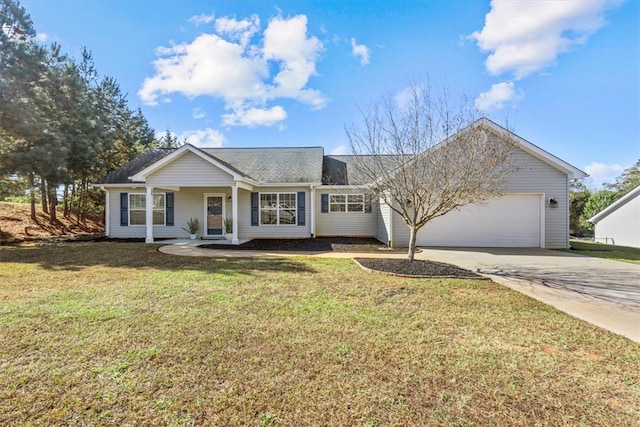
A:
{"x":619,"y":223}
{"x":300,"y":192}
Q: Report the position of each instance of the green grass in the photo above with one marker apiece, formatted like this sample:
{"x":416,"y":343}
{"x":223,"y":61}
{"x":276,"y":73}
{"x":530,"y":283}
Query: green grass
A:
{"x":600,"y":250}
{"x":120,"y":334}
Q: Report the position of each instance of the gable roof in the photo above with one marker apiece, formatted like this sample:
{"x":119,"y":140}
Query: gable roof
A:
{"x":284,"y":165}
{"x":256,"y":165}
{"x":615,"y":205}
{"x":534,"y":150}
{"x":123,"y":173}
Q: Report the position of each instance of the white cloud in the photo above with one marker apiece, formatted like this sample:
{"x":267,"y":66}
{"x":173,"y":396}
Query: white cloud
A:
{"x":339,"y":150}
{"x":360,"y":51}
{"x":600,"y":173}
{"x":199,"y":137}
{"x":42,"y":37}
{"x":241,"y":31}
{"x":497,"y":96}
{"x":202,"y":19}
{"x":198,"y":113}
{"x":246,"y":74}
{"x":404,"y":99}
{"x":526,"y":36}
{"x":286,"y":42}
{"x":255,"y":117}
{"x":203,"y":137}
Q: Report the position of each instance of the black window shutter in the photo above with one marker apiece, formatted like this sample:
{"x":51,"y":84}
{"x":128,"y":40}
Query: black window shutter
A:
{"x":367,"y":203}
{"x":124,"y":209}
{"x":255,"y":213}
{"x":324,"y":203}
{"x":301,"y":207}
{"x":168,"y":204}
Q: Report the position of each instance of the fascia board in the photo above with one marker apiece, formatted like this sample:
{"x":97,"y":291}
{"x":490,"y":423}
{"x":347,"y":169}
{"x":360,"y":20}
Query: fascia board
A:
{"x":615,"y":205}
{"x":142,"y":175}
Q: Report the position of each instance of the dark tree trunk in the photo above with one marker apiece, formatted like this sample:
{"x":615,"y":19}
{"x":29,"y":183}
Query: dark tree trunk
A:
{"x":52,"y":201}
{"x":65,"y":202}
{"x":43,"y":196}
{"x":32,"y":192}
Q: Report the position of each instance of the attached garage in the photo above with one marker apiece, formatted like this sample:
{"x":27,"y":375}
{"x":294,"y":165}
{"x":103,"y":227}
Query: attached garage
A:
{"x":512,"y":220}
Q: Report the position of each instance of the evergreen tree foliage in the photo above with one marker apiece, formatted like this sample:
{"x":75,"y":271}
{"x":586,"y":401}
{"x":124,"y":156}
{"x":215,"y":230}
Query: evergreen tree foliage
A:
{"x":579,"y":195}
{"x":61,"y":125}
{"x":627,"y":181}
{"x":598,"y":201}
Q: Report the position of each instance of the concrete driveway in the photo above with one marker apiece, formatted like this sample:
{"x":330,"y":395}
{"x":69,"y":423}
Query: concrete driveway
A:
{"x":602,"y":292}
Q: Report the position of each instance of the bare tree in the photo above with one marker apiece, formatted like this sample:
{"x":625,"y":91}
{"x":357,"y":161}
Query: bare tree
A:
{"x":424,"y":159}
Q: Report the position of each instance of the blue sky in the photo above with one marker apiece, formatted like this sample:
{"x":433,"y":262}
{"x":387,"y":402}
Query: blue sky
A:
{"x":566,"y":74}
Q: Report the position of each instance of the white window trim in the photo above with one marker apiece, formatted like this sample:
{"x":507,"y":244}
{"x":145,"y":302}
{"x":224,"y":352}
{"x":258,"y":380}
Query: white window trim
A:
{"x":346,"y":203}
{"x":164,"y":209}
{"x":278,"y":209}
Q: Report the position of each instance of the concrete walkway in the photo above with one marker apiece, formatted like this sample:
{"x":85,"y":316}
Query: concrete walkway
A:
{"x":602,"y":292}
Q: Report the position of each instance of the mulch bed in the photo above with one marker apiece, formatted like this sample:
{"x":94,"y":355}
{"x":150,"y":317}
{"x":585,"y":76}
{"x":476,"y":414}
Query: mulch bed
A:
{"x":417,"y":268}
{"x":319,"y":244}
{"x":397,"y":267}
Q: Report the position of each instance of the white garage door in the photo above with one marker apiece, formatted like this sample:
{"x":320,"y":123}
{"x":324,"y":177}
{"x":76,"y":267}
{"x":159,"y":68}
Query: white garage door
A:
{"x":509,"y":221}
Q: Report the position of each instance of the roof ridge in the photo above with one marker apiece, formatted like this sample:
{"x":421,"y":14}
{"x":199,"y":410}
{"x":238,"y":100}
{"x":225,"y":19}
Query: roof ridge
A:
{"x":255,"y":148}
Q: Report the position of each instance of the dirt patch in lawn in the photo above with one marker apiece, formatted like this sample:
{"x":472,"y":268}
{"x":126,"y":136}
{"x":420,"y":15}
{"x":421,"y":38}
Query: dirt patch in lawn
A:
{"x":417,"y":268}
{"x":17,"y":226}
{"x":318,"y":244}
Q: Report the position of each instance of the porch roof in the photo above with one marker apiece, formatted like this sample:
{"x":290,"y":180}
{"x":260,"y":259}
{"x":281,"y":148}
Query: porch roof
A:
{"x":263,"y":165}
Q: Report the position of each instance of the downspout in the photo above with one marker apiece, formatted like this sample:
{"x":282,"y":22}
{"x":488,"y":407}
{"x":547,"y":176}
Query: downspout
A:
{"x":391,"y":242}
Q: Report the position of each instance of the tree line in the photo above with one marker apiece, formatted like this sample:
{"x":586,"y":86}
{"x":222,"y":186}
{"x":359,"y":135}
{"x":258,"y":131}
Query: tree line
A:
{"x":62,"y":125}
{"x":585,"y":203}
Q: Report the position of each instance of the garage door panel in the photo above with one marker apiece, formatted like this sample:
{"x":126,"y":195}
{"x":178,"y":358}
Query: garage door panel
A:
{"x":508,"y":221}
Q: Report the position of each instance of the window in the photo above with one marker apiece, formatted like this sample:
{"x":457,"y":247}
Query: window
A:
{"x":346,"y":203}
{"x":137,"y":209}
{"x":278,"y":208}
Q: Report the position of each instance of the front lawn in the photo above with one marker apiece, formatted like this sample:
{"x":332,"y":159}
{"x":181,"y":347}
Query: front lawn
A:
{"x":120,"y":334}
{"x":600,"y":250}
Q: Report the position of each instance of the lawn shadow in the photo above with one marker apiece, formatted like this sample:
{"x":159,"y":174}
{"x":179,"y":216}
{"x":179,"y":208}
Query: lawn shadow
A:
{"x":79,"y":256}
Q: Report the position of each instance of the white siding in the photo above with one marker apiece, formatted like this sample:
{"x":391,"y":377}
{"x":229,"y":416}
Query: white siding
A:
{"x":535,"y":176}
{"x":384,"y":222}
{"x":363,"y":224}
{"x":532,"y":176}
{"x":189,"y":170}
{"x":622,"y":225}
{"x":188,"y":203}
{"x":247,"y":231}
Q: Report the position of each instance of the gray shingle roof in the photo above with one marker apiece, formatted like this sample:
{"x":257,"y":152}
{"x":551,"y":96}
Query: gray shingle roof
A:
{"x":122,"y":174}
{"x":274,"y":165}
{"x":341,"y":170}
{"x":265,"y":165}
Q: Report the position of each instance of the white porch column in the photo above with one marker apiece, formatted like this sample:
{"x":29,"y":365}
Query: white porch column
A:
{"x":149,"y":215}
{"x":234,"y":213}
{"x":107,"y":211}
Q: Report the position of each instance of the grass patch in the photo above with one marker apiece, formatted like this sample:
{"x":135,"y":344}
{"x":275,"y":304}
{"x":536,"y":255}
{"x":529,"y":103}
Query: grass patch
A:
{"x":119,"y":334}
{"x":600,"y":250}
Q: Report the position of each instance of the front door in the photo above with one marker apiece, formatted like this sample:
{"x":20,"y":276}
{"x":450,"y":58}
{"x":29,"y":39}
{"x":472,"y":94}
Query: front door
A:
{"x":214,"y":214}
